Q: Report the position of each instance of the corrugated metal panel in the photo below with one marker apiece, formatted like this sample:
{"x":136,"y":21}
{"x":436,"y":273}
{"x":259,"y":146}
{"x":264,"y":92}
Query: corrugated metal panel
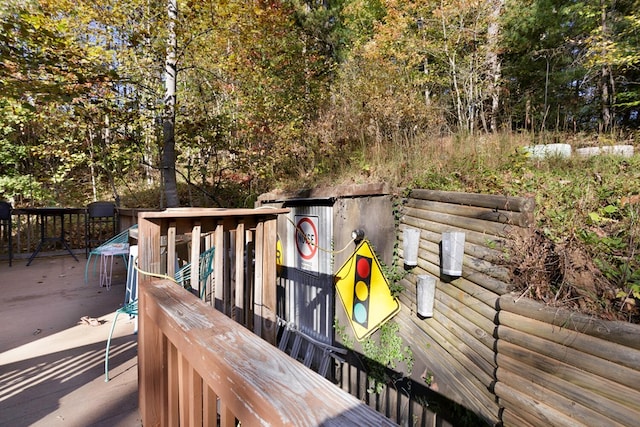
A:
{"x":306,"y":279}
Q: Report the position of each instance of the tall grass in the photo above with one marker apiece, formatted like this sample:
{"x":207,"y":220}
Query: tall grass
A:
{"x":590,"y":205}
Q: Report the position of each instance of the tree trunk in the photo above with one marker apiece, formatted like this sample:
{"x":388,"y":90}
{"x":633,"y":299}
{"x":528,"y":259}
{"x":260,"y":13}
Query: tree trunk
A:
{"x":92,"y":160}
{"x":606,"y":78}
{"x":152,"y":146}
{"x":168,"y":127}
{"x":494,"y":66}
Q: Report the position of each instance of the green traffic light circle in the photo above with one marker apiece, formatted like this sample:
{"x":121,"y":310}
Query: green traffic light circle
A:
{"x":359,"y":313}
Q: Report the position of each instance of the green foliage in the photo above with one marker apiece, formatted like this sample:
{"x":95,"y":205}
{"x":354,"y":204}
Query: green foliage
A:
{"x":346,"y":339}
{"x":294,"y":94}
{"x":288,"y":91}
{"x":394,"y":275}
{"x":385,"y":352}
{"x":616,"y":252}
{"x":428,"y":378}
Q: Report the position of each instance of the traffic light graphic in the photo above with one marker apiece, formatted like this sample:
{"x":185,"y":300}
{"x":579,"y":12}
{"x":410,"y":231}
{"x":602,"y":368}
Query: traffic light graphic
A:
{"x":361,"y":291}
{"x":364,"y":292}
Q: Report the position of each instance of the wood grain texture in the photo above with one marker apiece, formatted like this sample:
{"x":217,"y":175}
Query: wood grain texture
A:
{"x":256,"y":382}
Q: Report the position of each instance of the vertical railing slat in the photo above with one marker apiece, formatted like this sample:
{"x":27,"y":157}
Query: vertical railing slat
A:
{"x":183,"y":391}
{"x":209,"y":407}
{"x":218,"y":271}
{"x":249,"y":278}
{"x":195,"y":256}
{"x":257,"y":289}
{"x":209,"y":243}
{"x":241,"y":256}
{"x":196,"y":403}
{"x":268,"y":280}
{"x":227,"y":419}
{"x":173,"y":397}
{"x":171,"y":249}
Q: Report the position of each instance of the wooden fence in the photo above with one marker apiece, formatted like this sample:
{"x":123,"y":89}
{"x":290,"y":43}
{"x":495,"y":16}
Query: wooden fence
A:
{"x":518,"y":363}
{"x":245,"y":245}
{"x":200,"y":367}
{"x":26,"y":232}
{"x":556,"y":367}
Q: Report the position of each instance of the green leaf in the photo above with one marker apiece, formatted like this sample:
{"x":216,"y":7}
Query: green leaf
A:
{"x":595,"y":218}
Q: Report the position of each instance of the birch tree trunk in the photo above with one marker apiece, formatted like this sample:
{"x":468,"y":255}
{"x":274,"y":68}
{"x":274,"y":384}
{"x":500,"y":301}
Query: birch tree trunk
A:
{"x":606,"y":77}
{"x":494,"y":66}
{"x":169,"y":119}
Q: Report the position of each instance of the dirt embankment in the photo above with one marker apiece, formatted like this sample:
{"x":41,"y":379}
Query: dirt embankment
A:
{"x":565,"y":275}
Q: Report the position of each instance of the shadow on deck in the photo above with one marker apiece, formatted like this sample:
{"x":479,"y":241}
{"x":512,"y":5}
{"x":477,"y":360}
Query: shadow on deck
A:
{"x":51,"y":363}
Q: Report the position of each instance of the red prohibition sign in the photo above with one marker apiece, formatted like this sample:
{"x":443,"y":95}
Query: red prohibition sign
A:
{"x":307,"y":246}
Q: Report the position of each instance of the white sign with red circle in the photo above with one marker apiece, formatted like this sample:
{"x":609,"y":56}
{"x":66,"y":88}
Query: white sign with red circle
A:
{"x":307,"y":242}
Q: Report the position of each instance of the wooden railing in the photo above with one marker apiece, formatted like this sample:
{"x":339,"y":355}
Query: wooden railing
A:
{"x":26,"y":231}
{"x":200,"y":366}
{"x":197,"y":366}
{"x":244,"y":264}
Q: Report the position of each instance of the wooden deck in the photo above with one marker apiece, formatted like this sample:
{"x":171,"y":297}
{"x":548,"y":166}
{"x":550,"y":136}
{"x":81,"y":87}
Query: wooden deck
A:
{"x":52,"y":367}
{"x":196,"y":365}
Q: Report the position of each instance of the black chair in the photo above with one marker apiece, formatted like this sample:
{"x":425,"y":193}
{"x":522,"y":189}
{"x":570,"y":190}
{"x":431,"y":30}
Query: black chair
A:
{"x":5,"y":227}
{"x":100,"y":224}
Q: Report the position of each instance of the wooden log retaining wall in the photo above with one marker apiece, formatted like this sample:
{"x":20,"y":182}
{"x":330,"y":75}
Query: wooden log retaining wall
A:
{"x":508,"y":359}
{"x":578,"y":370}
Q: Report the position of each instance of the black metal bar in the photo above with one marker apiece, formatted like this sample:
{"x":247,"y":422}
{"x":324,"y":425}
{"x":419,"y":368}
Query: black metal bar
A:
{"x":43,"y":214}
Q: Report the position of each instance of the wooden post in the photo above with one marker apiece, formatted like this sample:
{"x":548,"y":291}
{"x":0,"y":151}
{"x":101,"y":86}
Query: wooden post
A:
{"x":269,"y":280}
{"x":153,"y":388}
{"x":258,"y":289}
{"x":218,"y":271}
{"x":148,"y":248}
{"x":241,"y":255}
{"x":195,"y":256}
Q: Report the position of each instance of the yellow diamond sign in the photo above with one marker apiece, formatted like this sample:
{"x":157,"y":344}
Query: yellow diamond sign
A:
{"x":364,"y":292}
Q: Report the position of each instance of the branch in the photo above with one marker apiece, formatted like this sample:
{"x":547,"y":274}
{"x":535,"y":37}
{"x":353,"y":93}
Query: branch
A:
{"x":203,"y":191}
